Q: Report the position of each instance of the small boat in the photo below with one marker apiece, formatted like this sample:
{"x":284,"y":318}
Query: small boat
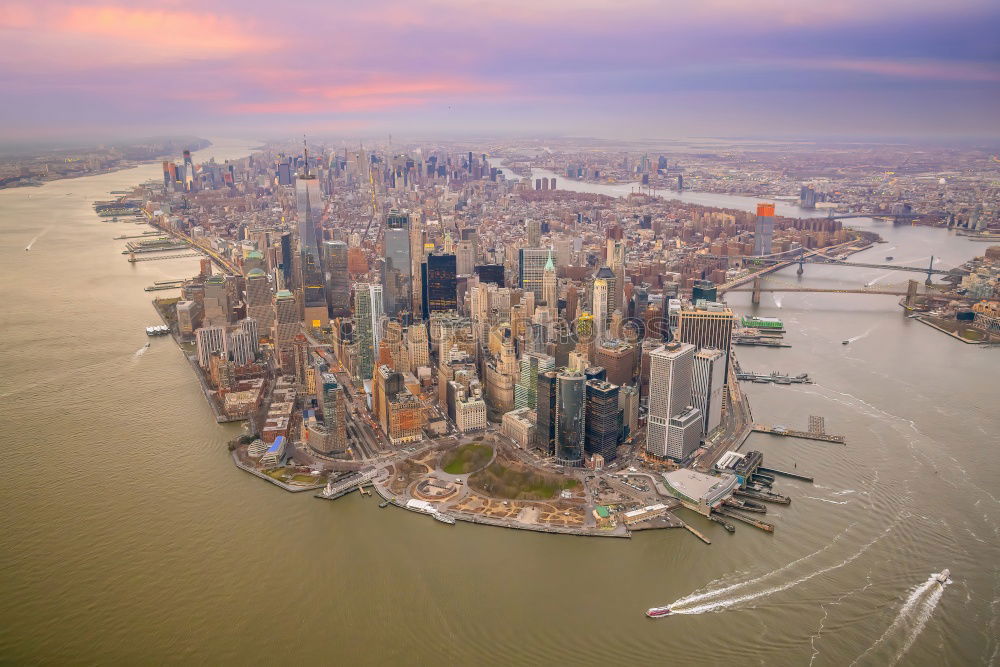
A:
{"x":444,"y":518}
{"x":942,"y":576}
{"x":888,"y":258}
{"x":658,"y":612}
{"x":384,"y":504}
{"x":846,"y":342}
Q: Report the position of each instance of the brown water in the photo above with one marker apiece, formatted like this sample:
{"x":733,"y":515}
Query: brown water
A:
{"x":127,"y":534}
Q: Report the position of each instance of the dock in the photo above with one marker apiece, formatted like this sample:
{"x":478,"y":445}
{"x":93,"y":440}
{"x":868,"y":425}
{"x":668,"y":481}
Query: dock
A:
{"x":762,"y":495}
{"x":783,"y":473}
{"x":760,"y":341}
{"x":756,"y":523}
{"x":805,"y":435}
{"x":154,"y":258}
{"x":774,"y":377}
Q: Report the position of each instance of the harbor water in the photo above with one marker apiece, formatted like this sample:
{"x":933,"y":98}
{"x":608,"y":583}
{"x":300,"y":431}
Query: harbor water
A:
{"x":128,"y":535}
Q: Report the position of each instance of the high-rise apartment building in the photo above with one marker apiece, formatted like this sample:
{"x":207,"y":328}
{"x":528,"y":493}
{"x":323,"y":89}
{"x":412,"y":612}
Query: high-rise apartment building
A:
{"x":367,"y":320}
{"x":763,"y":229}
{"x":208,"y":341}
{"x":259,"y":300}
{"x":334,"y":408}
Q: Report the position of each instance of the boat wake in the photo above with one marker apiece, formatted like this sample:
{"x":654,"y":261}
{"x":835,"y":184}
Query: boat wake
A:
{"x":777,"y":300}
{"x":864,"y":335}
{"x":32,"y":242}
{"x":911,"y":618}
{"x":722,"y":599}
{"x":141,"y":351}
{"x":827,"y":500}
{"x":875,"y":280}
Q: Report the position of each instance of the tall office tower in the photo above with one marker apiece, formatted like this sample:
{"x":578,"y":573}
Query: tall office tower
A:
{"x":387,"y":383}
{"x":526,"y":389}
{"x":617,"y":357}
{"x":763,"y":229}
{"x":684,"y":433}
{"x":259,"y":305}
{"x":616,"y":263}
{"x":571,"y":405}
{"x":334,"y":415}
{"x":188,"y":317}
{"x":167,"y":180}
{"x":242,"y":346}
{"x":417,"y":346}
{"x":710,"y":326}
{"x":534,"y":233}
{"x":309,"y":212}
{"x":545,"y":411}
{"x":550,"y":288}
{"x":585,"y":334}
{"x":669,"y":391}
{"x":603,"y":419}
{"x":490,"y":273}
{"x":286,"y":321}
{"x":216,"y":303}
{"x":532,"y":263}
{"x":599,"y":305}
{"x":465,"y":258}
{"x":288,"y":278}
{"x":707,"y":380}
{"x":440,"y":287}
{"x":250,"y":326}
{"x":367,"y":313}
{"x":338,"y":278}
{"x":397,"y":271}
{"x":628,"y":401}
{"x":416,"y":261}
{"x":210,"y":340}
{"x":284,"y":173}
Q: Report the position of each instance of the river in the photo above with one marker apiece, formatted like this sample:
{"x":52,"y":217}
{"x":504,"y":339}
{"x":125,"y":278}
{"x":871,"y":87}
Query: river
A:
{"x":129,"y":536}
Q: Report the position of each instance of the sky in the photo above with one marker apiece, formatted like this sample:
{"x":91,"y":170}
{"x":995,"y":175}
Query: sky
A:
{"x":625,"y":69}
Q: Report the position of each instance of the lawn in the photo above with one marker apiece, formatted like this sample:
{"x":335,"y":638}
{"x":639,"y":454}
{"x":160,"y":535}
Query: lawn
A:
{"x":466,"y":459}
{"x":519,"y":483}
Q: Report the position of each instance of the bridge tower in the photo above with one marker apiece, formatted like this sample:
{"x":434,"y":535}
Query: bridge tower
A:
{"x":755,"y":297}
{"x":911,"y":293}
{"x":930,"y":268}
{"x":802,"y":254}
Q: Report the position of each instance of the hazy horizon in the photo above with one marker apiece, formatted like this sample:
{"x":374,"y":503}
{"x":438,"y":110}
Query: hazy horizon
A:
{"x":782,"y":69}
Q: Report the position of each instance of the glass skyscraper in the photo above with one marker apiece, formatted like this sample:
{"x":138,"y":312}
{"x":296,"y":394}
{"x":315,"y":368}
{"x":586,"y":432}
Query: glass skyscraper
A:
{"x":397,"y":271}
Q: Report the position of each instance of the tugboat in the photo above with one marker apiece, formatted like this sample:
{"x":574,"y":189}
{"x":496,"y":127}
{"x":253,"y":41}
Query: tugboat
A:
{"x":658,"y":612}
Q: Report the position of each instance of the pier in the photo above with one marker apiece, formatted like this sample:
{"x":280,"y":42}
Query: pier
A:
{"x":696,"y":533}
{"x":763,"y":495}
{"x":756,"y":523}
{"x":805,"y":435}
{"x":774,"y":377}
{"x":133,"y":259}
{"x":793,"y":475}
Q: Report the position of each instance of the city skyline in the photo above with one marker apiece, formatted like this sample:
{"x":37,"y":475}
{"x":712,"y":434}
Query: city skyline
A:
{"x":782,"y":69}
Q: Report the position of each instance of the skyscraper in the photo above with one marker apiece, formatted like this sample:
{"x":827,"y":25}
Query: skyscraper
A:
{"x":397,"y":271}
{"x":763,"y":229}
{"x":334,"y":415}
{"x":534,"y":233}
{"x":669,"y":391}
{"x":367,"y":314}
{"x":216,"y":304}
{"x":570,"y":418}
{"x":526,"y":389}
{"x":338,"y":278}
{"x":532,"y":263}
{"x":440,"y":286}
{"x":259,"y":297}
{"x":709,"y":326}
{"x":603,"y":419}
{"x":600,"y":308}
{"x":309,"y":212}
{"x":210,"y":340}
{"x":545,"y":411}
{"x":550,"y":288}
{"x":286,"y":324}
{"x":708,"y":378}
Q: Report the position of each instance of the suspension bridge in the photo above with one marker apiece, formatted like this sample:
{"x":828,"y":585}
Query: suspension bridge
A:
{"x":909,"y":289}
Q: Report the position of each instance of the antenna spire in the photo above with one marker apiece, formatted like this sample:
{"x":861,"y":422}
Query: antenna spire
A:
{"x":305,"y":151}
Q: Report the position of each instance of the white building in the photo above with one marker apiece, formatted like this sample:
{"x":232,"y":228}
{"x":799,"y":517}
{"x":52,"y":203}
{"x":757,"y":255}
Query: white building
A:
{"x":209,"y":341}
{"x":519,"y":426}
{"x":669,"y":391}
